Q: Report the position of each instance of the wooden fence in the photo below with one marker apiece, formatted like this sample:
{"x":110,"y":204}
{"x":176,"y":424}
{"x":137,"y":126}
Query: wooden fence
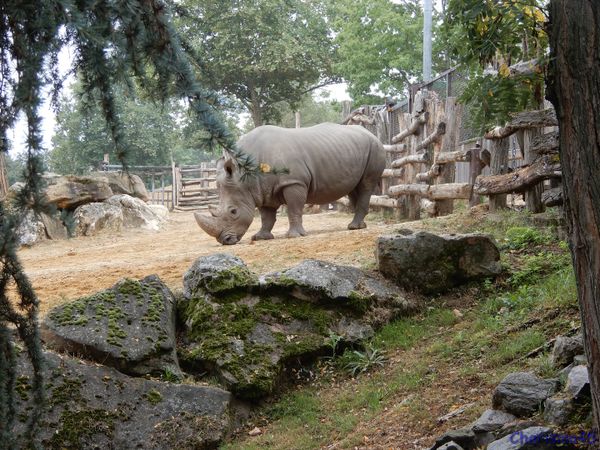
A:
{"x":423,"y":158}
{"x":182,"y":188}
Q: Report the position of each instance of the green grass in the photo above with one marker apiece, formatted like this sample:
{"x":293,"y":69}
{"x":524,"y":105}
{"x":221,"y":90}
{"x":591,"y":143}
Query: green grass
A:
{"x":501,"y":324}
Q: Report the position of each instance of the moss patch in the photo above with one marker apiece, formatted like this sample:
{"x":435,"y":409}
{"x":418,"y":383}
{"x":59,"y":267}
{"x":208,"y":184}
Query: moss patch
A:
{"x":77,"y":427}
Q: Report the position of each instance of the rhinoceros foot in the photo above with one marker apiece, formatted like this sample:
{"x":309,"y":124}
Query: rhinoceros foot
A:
{"x":357,"y":225}
{"x":263,"y":236}
{"x":296,"y":232}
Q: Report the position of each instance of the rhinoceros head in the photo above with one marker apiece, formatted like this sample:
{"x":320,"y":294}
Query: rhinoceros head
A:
{"x":231,"y":219}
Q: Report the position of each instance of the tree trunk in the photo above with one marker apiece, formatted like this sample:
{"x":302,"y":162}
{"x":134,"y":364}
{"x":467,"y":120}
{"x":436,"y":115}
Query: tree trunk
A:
{"x":574,"y":88}
{"x":3,"y":177}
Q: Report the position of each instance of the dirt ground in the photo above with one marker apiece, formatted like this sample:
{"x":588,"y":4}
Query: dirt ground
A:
{"x":63,"y":270}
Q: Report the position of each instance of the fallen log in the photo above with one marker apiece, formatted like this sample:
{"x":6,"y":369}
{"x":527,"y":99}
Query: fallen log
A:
{"x":413,"y":129}
{"x":545,"y":144}
{"x":410,"y":159}
{"x":446,"y":191}
{"x":518,"y":69}
{"x":433,"y":137}
{"x":541,"y":169}
{"x":524,"y":120}
{"x":450,"y":157}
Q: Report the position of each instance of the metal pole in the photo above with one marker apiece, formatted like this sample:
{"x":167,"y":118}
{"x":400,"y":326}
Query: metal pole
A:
{"x":427,"y":13}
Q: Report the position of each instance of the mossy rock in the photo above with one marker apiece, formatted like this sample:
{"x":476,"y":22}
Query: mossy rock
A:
{"x":130,"y":326}
{"x":218,"y":274}
{"x":91,"y":406}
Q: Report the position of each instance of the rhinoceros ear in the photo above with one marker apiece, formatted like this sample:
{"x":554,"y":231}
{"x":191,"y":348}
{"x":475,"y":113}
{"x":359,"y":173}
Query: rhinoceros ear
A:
{"x":228,"y":164}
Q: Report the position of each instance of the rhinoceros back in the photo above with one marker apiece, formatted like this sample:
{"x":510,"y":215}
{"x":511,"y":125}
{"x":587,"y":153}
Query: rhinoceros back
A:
{"x":330,"y":159}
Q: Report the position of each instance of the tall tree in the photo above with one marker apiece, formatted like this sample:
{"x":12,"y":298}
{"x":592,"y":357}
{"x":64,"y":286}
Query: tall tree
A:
{"x":260,"y":52}
{"x":379,"y":46}
{"x":574,"y":89}
{"x":110,"y":41}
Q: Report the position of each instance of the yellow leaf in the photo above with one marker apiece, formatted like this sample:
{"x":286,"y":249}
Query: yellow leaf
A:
{"x":504,"y":71}
{"x":490,"y":93}
{"x":264,"y":168}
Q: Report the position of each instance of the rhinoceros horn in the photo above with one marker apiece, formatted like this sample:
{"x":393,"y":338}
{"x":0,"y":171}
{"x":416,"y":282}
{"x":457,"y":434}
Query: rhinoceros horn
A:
{"x":208,"y":224}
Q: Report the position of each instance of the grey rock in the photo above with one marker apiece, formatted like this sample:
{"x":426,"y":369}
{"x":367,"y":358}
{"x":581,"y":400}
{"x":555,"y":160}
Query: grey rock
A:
{"x":221,"y":272}
{"x":580,"y":360}
{"x":91,"y":406}
{"x":31,"y":230}
{"x":248,"y":333}
{"x":492,"y":420}
{"x":160,"y":210}
{"x":450,"y":446}
{"x":564,"y":373}
{"x":55,"y":229}
{"x":433,"y":263}
{"x":522,"y":393}
{"x":578,"y":383}
{"x":565,"y":349}
{"x":558,"y":409}
{"x":532,"y":438}
{"x":464,"y":437}
{"x":130,"y":326}
{"x":96,"y":218}
{"x":136,"y":213}
{"x":123,"y":183}
{"x":345,"y":286}
{"x":71,"y":191}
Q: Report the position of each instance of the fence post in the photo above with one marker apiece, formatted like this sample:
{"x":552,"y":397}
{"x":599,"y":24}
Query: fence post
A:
{"x":498,"y":166}
{"x":475,"y":169}
{"x":452,"y":114}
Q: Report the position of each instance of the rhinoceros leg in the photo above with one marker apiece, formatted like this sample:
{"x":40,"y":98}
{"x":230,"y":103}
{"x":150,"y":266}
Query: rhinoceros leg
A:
{"x":267,"y":218}
{"x":295,"y":198}
{"x":359,"y":200}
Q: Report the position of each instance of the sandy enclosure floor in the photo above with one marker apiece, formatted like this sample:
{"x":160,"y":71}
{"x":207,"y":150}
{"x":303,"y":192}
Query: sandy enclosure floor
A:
{"x":63,"y":270}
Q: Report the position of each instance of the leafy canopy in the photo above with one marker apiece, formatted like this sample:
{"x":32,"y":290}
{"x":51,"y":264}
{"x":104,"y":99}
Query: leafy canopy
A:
{"x":379,"y":46}
{"x":494,"y":34}
{"x":260,"y":52}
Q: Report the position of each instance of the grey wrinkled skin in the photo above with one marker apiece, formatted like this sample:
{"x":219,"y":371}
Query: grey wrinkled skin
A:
{"x":325,"y":163}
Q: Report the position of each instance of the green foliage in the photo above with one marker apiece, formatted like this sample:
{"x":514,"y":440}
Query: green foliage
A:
{"x":312,"y":112}
{"x":494,"y":34}
{"x":260,"y":52}
{"x":379,"y":46}
{"x":518,"y":238}
{"x":360,"y":361}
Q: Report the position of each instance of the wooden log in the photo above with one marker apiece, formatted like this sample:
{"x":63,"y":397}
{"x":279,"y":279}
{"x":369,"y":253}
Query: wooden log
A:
{"x":375,"y":200}
{"x":433,"y":137}
{"x":518,"y":69}
{"x":392,"y":173}
{"x":412,"y":129}
{"x":433,"y":172}
{"x":394,"y":148}
{"x":533,"y":194}
{"x":448,"y":191}
{"x":523,"y":121}
{"x":475,"y":167}
{"x":428,"y":207}
{"x":450,"y":157}
{"x":419,"y":158}
{"x":543,"y":168}
{"x":545,"y":144}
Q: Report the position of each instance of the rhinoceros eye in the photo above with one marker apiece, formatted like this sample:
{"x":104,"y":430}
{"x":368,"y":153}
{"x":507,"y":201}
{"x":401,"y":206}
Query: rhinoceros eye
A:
{"x":233,"y":211}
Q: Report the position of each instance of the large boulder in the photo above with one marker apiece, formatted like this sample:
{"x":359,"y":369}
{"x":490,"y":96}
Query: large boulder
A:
{"x":248,"y":333}
{"x":95,"y":218}
{"x":492,"y":420}
{"x":124,"y":183}
{"x":71,"y":191}
{"x":523,"y":393}
{"x":130,"y":326}
{"x":31,"y":230}
{"x":578,"y":383}
{"x":55,"y":228}
{"x":433,"y":263}
{"x":136,"y":213}
{"x":90,"y":406}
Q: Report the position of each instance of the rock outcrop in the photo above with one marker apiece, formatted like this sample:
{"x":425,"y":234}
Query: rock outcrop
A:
{"x":95,"y":218}
{"x":91,"y":406}
{"x":124,"y":183}
{"x":71,"y":191}
{"x":248,"y":333}
{"x":523,"y":393}
{"x":432,"y":263}
{"x":130,"y":326}
{"x":136,"y":213}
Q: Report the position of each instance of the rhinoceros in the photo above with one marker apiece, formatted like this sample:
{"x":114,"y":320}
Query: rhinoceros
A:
{"x":325,"y":162}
